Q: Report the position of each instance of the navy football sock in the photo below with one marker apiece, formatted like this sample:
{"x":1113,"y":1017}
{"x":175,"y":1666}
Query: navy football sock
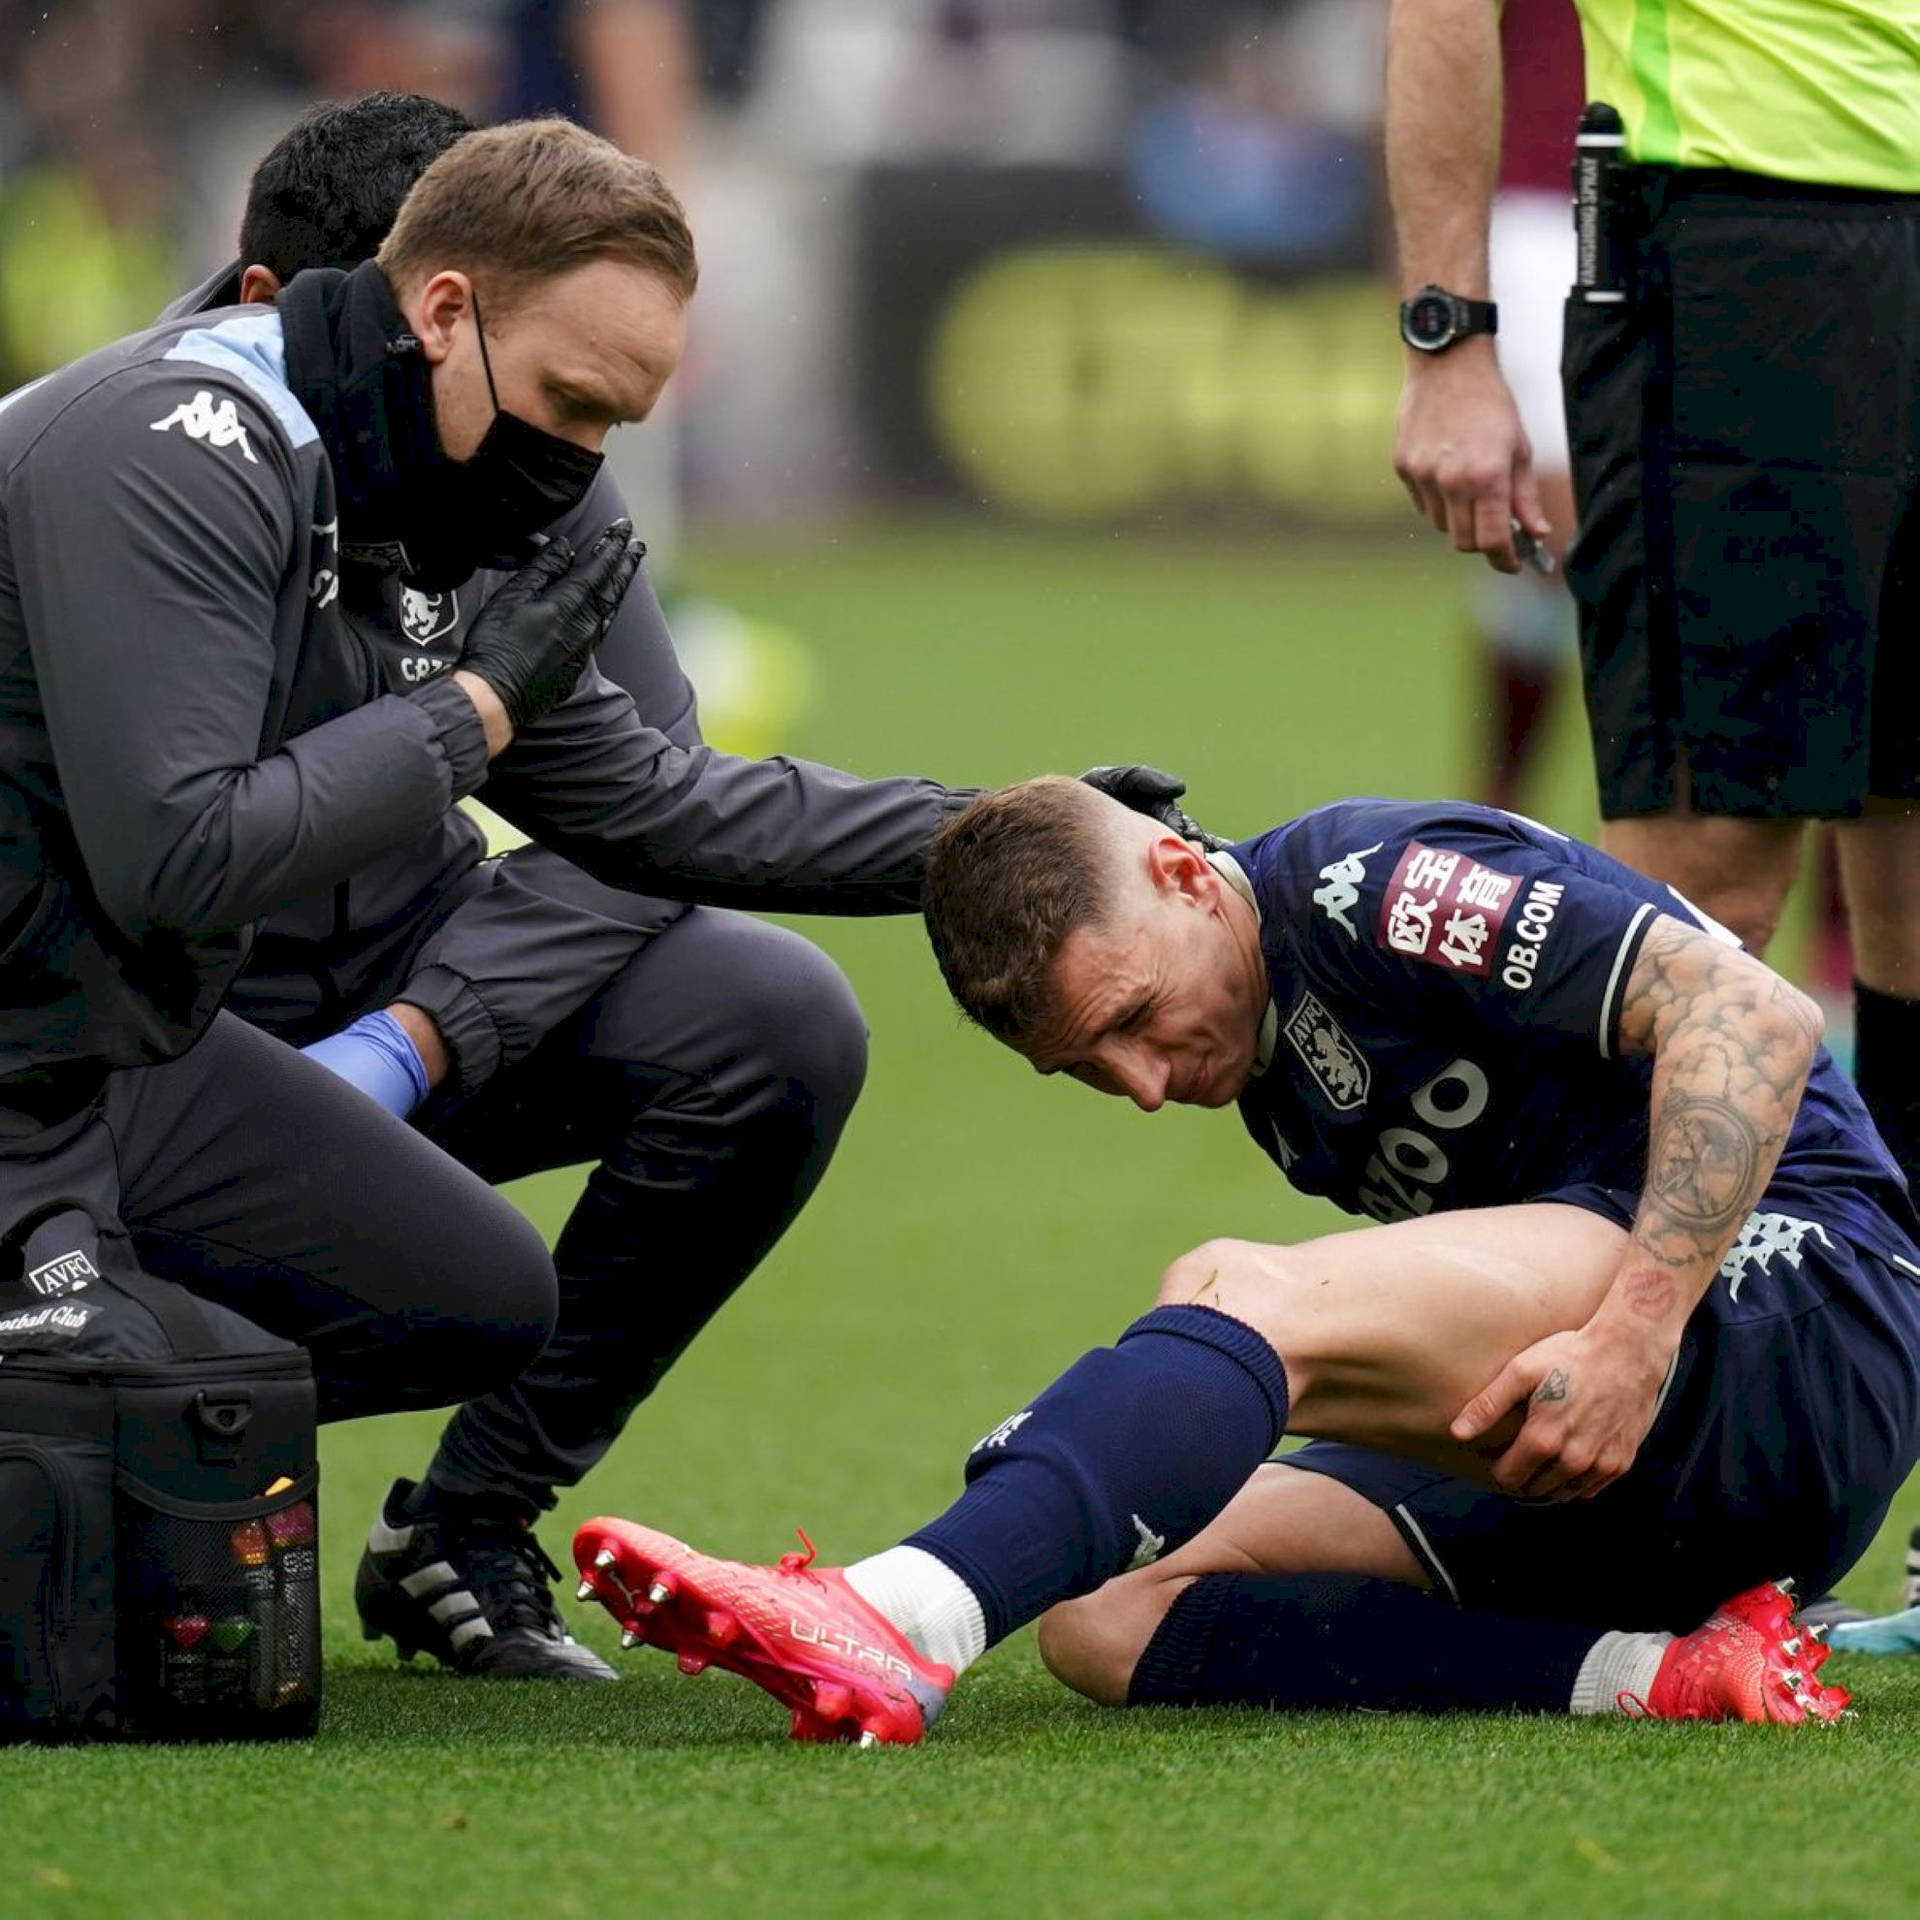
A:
{"x":1125,"y":1457}
{"x":1349,"y":1640}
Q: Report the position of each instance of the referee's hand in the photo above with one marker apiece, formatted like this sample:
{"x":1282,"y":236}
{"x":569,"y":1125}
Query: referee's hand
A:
{"x":1463,"y":455}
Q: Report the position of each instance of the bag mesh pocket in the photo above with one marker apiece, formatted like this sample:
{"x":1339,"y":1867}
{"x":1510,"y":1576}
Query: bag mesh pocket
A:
{"x":219,"y":1613}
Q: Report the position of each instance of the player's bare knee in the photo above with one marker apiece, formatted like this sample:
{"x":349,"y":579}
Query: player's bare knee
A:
{"x":1885,"y":930}
{"x":1880,"y":876}
{"x":1073,"y":1649}
{"x":1200,"y":1278}
{"x":1093,"y":1644}
{"x":1268,"y":1288}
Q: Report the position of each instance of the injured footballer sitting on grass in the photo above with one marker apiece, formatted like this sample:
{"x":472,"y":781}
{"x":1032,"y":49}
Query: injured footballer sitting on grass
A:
{"x":1632,"y":1350}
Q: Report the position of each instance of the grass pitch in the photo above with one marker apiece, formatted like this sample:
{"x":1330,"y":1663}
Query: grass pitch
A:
{"x":981,"y":1229}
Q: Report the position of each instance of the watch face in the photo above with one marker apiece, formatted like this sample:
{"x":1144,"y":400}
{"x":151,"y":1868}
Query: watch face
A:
{"x":1430,"y":318}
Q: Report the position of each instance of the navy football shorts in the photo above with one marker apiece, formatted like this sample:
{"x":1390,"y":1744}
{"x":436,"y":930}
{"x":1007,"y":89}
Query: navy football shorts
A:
{"x":1790,"y":1422}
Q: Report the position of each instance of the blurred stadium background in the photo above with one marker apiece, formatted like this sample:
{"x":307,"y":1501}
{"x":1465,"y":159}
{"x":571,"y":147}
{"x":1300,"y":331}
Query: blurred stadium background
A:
{"x":1066,"y":259}
{"x":1037,"y":414}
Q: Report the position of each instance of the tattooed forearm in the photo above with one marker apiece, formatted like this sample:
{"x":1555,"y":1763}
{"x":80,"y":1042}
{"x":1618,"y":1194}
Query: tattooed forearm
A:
{"x":1732,"y":1044}
{"x":1804,"y":1014}
{"x":1701,"y":1162}
{"x":1649,"y":1295}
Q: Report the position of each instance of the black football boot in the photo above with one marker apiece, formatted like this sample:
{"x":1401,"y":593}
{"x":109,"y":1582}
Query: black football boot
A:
{"x":470,"y":1585}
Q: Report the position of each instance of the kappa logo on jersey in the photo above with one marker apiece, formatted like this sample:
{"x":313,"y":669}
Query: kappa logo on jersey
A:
{"x":1285,"y":1154}
{"x":1446,"y":909}
{"x":424,"y":617}
{"x":1762,"y":1235}
{"x":67,"y":1274}
{"x":1342,"y":892}
{"x":1338,"y":1066}
{"x":202,"y":420}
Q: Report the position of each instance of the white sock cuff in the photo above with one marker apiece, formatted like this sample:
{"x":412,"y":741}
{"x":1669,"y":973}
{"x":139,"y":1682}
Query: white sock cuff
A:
{"x":1618,"y":1666}
{"x":926,"y":1600}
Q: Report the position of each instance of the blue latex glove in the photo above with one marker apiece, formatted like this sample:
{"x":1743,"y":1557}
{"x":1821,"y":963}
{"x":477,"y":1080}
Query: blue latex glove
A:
{"x":375,"y":1055}
{"x":1891,"y":1633}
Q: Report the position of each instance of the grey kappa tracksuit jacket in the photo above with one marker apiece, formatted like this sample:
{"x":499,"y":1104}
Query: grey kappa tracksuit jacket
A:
{"x":195,"y":738}
{"x":500,"y":951}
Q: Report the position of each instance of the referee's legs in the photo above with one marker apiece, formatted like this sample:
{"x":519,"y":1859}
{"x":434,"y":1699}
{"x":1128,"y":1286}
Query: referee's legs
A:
{"x":1880,"y":874}
{"x":1738,"y":871}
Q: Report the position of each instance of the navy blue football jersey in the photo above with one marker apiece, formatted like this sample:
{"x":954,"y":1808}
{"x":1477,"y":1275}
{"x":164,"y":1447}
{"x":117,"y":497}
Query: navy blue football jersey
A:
{"x":1447,"y":982}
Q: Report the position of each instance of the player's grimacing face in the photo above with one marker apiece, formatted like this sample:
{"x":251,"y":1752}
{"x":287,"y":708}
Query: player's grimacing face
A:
{"x":1163,"y":1003}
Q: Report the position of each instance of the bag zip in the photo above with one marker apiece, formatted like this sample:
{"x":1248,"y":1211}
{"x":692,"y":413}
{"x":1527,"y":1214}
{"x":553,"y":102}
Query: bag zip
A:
{"x":59,"y":1617}
{"x":274,"y":1365}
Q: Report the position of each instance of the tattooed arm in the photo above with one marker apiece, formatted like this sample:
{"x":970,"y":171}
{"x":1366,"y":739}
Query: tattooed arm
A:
{"x":1732,"y":1044}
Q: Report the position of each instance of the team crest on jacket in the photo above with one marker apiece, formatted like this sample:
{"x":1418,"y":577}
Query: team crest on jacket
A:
{"x":1338,"y":1066}
{"x":424,"y":617}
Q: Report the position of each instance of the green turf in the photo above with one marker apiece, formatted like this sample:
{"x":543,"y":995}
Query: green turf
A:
{"x":980,"y":1229}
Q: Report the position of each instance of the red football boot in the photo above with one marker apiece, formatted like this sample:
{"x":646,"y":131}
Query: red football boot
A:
{"x":1749,"y":1662}
{"x":797,"y":1630}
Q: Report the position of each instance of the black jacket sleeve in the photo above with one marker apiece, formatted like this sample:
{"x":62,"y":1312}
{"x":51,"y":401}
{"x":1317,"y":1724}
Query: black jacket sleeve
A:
{"x":589,"y":781}
{"x":161,"y":580}
{"x":543,"y":936}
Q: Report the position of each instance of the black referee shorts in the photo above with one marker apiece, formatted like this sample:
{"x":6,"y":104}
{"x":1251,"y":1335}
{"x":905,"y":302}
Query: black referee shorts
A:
{"x":1746,"y":454}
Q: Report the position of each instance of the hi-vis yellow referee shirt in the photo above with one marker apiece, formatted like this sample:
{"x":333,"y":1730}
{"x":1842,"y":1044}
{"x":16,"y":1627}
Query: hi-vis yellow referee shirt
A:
{"x":1819,"y":90}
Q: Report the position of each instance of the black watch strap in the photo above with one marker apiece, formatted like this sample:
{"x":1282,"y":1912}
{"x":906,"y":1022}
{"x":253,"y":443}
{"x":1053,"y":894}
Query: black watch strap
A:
{"x":1434,"y":319}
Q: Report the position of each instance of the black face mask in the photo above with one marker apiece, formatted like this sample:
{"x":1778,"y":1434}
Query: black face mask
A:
{"x":519,"y":479}
{"x":405,"y":507}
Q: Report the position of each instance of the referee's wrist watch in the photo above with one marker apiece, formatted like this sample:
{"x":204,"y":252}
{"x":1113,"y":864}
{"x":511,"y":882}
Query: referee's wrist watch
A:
{"x":1434,"y":319}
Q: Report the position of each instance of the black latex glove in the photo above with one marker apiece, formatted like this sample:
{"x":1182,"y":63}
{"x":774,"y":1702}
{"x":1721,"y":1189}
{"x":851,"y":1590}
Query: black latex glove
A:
{"x":1156,"y":794}
{"x":533,"y":638}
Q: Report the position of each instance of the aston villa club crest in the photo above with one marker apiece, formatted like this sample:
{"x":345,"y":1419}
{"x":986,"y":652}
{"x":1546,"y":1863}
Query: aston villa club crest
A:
{"x":1339,"y":1067}
{"x":424,"y":617}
